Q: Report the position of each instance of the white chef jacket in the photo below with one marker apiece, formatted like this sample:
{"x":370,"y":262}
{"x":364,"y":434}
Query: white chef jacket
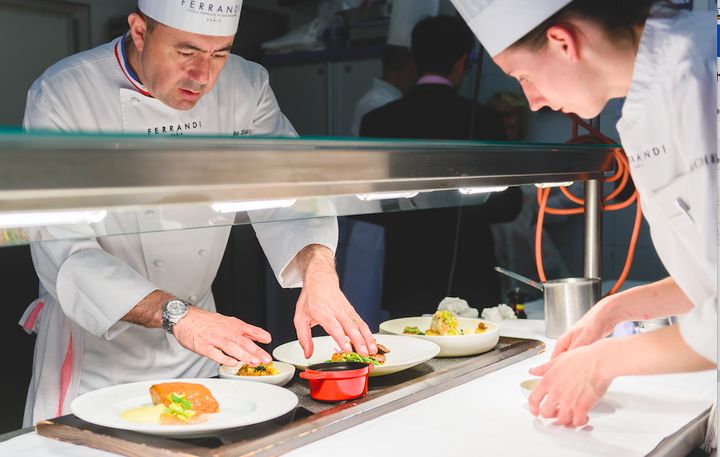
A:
{"x":668,"y":130}
{"x":380,"y":94}
{"x":88,"y":285}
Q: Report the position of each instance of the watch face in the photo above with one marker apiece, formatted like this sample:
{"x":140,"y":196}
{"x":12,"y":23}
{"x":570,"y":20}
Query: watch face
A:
{"x":176,"y":307}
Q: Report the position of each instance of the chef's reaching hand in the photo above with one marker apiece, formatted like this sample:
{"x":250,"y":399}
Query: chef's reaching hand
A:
{"x":594,"y":325}
{"x":572,"y":384}
{"x":323,"y":303}
{"x":226,"y":340}
{"x":223,"y":339}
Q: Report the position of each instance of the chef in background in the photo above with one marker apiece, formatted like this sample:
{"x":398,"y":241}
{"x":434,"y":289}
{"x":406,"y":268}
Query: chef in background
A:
{"x":398,"y":69}
{"x":574,"y":56}
{"x":135,"y":307}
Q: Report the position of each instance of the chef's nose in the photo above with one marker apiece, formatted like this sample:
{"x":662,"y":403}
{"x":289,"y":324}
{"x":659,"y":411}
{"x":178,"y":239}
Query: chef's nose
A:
{"x":535,"y":99}
{"x":199,"y":70}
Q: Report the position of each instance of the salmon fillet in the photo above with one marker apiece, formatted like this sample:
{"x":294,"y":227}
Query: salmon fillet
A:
{"x":197,"y":394}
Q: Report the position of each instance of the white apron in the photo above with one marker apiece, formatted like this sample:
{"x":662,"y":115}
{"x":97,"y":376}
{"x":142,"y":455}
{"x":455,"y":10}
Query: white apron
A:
{"x":88,"y":285}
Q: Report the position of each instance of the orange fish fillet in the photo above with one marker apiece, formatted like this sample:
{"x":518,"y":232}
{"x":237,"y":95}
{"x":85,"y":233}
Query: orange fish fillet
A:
{"x":197,"y":394}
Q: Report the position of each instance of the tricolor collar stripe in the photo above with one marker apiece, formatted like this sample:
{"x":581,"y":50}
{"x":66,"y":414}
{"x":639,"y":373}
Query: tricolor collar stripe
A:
{"x":121,"y":57}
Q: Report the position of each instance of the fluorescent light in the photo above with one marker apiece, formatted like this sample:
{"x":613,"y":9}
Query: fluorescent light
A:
{"x":386,"y":196}
{"x":545,"y":185}
{"x":16,"y":220}
{"x":236,"y":207}
{"x":481,"y":190}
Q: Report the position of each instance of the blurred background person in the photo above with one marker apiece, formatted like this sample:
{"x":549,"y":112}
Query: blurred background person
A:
{"x":460,"y":258}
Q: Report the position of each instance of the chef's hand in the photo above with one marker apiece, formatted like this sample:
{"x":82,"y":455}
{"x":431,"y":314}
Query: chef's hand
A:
{"x":593,"y":326}
{"x":223,"y":339}
{"x":571,"y":386}
{"x":322,"y":303}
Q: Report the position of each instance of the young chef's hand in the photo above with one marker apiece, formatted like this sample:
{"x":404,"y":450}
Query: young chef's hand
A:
{"x":223,"y":339}
{"x":322,"y":303}
{"x":593,"y":326}
{"x":571,"y":386}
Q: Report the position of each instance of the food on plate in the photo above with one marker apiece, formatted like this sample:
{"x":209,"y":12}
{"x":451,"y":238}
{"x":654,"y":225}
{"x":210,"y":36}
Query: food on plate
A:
{"x":444,"y":323}
{"x":375,"y":359}
{"x":260,"y":370}
{"x":184,"y":402}
{"x":412,"y":331}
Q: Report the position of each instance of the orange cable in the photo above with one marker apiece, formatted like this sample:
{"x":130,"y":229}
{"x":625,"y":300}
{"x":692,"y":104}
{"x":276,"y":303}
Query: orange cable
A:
{"x":622,"y":173}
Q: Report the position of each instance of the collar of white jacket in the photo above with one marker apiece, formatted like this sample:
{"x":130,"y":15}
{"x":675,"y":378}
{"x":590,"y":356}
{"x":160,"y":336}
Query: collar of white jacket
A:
{"x":498,"y":24}
{"x":206,"y":17}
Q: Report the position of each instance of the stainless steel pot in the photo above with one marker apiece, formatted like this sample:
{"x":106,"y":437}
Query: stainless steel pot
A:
{"x":566,"y":300}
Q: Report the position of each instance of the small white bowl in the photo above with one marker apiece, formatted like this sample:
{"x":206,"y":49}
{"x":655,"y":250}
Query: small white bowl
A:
{"x":285,"y":374}
{"x":528,"y":385}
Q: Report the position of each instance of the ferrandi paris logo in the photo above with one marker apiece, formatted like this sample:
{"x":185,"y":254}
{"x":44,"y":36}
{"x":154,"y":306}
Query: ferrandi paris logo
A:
{"x":213,"y":10}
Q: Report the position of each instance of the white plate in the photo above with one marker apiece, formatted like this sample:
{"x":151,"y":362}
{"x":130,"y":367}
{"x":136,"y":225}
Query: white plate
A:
{"x":404,"y":353}
{"x":450,"y":346}
{"x":241,"y":403}
{"x":285,"y":374}
{"x":528,"y":385}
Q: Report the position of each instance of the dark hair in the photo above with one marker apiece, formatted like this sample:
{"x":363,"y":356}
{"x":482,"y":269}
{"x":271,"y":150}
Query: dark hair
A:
{"x":617,"y":17}
{"x":439,"y":42}
{"x":151,"y":23}
{"x":395,"y":58}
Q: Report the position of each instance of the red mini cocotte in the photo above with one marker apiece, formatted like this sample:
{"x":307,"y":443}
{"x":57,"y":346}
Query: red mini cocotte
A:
{"x":337,"y":381}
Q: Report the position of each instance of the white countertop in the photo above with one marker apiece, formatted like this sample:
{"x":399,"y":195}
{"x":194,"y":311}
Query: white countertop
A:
{"x":489,"y":416}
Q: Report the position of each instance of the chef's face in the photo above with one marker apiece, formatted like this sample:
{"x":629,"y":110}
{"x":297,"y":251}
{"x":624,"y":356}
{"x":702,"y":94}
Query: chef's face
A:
{"x":178,"y":67}
{"x":558,"y":76}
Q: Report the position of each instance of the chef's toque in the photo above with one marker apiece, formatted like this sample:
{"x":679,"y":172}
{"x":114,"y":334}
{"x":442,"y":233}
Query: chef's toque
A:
{"x":405,"y":14}
{"x":204,"y":17}
{"x":498,"y":24}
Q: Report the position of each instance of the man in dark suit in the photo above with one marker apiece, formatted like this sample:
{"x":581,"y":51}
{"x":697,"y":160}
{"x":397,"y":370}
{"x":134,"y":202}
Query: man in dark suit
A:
{"x":434,"y":253}
{"x":433,"y":109}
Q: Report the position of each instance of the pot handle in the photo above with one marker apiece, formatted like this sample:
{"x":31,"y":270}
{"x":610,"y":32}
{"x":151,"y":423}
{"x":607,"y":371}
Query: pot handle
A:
{"x":520,"y":278}
{"x":311,"y":376}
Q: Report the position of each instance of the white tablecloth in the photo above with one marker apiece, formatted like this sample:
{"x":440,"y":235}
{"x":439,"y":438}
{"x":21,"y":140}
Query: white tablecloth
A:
{"x":489,"y":416}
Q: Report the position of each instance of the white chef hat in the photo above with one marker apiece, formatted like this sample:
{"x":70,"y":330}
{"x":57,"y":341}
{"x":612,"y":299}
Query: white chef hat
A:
{"x":405,"y":14}
{"x":498,"y":24}
{"x":204,"y":17}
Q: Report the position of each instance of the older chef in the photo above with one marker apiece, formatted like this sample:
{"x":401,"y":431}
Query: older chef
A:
{"x":127,"y":308}
{"x":574,"y":56}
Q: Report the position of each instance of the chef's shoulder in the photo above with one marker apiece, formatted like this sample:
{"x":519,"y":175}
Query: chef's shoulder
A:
{"x":82,"y":71}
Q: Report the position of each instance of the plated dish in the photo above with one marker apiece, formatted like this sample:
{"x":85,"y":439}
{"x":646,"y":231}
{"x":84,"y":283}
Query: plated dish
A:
{"x":460,"y":338}
{"x":238,"y":403}
{"x":404,"y":353}
{"x":279,"y":374}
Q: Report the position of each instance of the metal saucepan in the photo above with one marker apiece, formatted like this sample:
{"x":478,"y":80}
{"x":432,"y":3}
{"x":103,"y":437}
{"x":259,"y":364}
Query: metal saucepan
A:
{"x":566,"y":300}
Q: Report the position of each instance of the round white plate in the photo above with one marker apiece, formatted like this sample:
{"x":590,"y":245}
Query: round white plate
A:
{"x":528,"y":385}
{"x":285,"y":374}
{"x":450,"y":346}
{"x":404,"y":353}
{"x":241,"y":403}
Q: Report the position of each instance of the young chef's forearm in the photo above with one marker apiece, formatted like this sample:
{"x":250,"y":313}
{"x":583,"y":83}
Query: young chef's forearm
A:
{"x":659,"y":352}
{"x":148,"y":312}
{"x":659,"y":299}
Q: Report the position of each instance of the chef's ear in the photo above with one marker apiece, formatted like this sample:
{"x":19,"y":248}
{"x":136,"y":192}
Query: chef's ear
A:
{"x":563,"y":40}
{"x":138,"y":29}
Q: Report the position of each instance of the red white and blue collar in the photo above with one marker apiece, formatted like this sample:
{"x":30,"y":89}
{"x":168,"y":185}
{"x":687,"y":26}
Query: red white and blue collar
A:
{"x":121,"y":56}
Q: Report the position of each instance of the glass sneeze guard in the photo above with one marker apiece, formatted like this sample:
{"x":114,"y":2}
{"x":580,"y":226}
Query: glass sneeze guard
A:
{"x":59,"y":186}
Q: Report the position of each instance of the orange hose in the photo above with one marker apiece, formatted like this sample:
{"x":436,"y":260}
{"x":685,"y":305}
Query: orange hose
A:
{"x":622,"y":173}
{"x":543,"y":194}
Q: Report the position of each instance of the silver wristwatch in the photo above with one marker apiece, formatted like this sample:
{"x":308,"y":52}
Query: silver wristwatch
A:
{"x":172,"y":312}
